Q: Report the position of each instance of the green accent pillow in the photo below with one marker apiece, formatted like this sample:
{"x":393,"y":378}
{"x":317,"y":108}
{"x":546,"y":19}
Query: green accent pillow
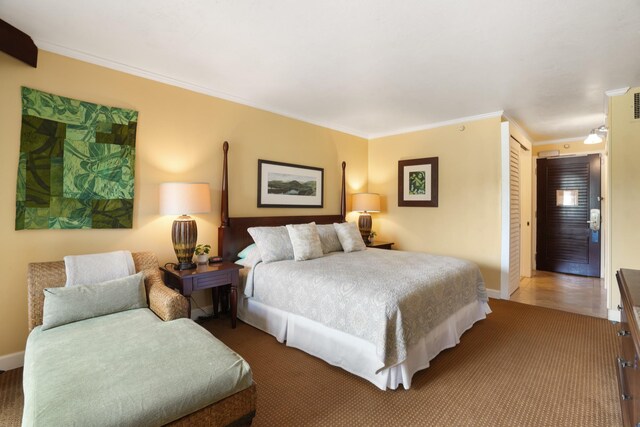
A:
{"x":243,"y":253}
{"x":73,"y":303}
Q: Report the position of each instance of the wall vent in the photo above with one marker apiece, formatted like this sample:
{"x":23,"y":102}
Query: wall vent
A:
{"x":636,"y":106}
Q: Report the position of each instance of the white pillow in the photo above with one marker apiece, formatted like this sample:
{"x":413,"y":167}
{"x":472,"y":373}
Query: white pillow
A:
{"x":97,"y":268}
{"x":349,"y":236}
{"x":305,"y":241}
{"x":273,"y":242}
{"x":328,"y":238}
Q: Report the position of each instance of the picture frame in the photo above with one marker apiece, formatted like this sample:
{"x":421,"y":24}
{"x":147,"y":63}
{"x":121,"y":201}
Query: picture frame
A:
{"x":418,"y":182}
{"x":287,"y":185}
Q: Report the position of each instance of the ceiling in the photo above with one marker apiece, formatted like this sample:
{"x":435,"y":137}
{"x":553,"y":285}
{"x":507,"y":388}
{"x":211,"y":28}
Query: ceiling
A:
{"x":366,"y":67}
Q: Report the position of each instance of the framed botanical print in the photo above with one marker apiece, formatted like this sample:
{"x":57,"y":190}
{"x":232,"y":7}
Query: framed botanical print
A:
{"x":285,"y":185}
{"x":418,"y":182}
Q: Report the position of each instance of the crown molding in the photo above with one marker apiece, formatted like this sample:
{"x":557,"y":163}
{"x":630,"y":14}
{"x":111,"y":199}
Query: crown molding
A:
{"x":517,"y":125}
{"x":437,"y":124}
{"x":617,"y":92}
{"x":139,"y":72}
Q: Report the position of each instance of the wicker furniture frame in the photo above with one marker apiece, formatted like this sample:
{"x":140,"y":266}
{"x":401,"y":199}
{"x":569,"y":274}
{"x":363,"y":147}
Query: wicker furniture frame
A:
{"x":235,"y":410}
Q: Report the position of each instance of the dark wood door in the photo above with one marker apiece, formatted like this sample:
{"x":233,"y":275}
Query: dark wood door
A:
{"x":568,"y":191}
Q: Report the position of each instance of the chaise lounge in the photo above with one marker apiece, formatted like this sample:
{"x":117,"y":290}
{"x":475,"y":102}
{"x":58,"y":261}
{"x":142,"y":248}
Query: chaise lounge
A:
{"x":138,"y":367}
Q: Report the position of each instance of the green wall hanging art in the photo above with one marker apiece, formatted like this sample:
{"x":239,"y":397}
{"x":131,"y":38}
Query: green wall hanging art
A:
{"x":76,"y":165}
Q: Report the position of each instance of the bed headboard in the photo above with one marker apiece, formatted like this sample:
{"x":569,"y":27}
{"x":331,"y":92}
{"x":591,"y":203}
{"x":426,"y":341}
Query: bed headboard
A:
{"x":232,"y":233}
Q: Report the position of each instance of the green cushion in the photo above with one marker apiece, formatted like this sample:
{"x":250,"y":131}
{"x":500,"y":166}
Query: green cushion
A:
{"x":73,"y":303}
{"x":126,"y":369}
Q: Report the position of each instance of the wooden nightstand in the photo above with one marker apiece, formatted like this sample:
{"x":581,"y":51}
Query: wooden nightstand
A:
{"x":205,"y":277}
{"x":380,"y":245}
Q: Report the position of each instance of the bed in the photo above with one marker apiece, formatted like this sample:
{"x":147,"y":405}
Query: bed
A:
{"x":379,"y":314}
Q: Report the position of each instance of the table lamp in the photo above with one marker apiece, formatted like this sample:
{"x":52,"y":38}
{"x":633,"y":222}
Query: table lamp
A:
{"x":365,"y":203}
{"x":184,"y":198}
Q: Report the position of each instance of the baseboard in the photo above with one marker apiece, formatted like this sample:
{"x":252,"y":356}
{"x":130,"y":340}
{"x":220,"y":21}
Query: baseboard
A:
{"x":614,"y":315}
{"x":201,"y":311}
{"x":11,"y":361}
{"x":492,"y":293}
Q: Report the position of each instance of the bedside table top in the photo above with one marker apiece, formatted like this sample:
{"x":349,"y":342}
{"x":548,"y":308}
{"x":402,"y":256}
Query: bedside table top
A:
{"x":377,"y":244}
{"x":202,"y":269}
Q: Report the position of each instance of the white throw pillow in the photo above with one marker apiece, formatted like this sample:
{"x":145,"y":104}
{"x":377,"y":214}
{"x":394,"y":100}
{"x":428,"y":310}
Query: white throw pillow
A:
{"x":349,"y":237}
{"x":273,"y":242}
{"x":328,"y":238}
{"x":305,"y":241}
{"x":97,"y":268}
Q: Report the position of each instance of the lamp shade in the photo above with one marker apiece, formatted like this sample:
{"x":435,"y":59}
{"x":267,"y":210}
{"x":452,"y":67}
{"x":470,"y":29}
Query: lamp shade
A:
{"x":183,"y":198}
{"x":365,"y":202}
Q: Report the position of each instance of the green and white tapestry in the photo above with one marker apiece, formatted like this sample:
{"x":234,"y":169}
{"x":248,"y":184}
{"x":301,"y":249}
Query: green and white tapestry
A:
{"x":76,"y":164}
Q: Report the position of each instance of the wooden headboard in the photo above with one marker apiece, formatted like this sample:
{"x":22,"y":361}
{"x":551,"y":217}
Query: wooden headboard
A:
{"x":232,"y":233}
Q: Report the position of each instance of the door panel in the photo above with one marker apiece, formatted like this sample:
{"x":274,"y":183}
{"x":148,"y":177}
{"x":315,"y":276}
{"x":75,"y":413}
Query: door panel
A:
{"x":568,"y":188}
{"x":514,"y":219}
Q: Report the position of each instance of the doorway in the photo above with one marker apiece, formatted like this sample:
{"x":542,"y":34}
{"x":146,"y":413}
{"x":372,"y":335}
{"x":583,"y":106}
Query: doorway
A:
{"x":568,"y":215}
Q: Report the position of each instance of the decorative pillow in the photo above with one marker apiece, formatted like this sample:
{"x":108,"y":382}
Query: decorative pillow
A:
{"x":273,"y":242}
{"x":243,"y":253}
{"x":253,"y":257}
{"x":243,"y":262}
{"x":305,"y":241}
{"x":79,"y":302}
{"x":349,"y":237}
{"x":328,"y":238}
{"x":97,"y":268}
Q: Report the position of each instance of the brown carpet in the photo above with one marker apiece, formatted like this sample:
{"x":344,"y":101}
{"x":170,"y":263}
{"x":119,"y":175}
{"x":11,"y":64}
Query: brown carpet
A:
{"x":522,"y":366}
{"x":11,"y":398}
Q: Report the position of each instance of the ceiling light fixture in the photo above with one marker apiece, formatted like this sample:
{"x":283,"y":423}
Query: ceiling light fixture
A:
{"x":596,"y":136}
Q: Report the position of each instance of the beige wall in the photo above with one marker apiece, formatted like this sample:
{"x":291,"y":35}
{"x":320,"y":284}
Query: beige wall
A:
{"x":624,"y":155}
{"x":180,"y":137}
{"x":570,"y":147}
{"x":467,"y":221}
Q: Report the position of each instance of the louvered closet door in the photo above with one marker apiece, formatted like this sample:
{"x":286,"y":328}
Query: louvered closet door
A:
{"x":514,"y":215}
{"x":568,"y":188}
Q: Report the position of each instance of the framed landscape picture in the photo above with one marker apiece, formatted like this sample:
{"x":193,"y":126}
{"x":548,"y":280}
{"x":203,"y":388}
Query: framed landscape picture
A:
{"x":284,"y":185}
{"x":418,"y":182}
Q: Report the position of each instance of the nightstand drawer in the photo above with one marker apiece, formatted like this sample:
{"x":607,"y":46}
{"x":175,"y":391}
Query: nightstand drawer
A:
{"x":222,"y":278}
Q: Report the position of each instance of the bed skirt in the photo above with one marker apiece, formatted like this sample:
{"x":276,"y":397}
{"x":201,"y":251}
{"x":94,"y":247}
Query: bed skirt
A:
{"x":354,"y":354}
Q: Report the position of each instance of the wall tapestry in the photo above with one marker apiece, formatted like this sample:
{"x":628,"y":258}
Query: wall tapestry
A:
{"x":76,"y":164}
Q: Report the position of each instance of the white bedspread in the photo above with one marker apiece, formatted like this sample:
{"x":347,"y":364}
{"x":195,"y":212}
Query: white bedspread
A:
{"x":389,"y":298}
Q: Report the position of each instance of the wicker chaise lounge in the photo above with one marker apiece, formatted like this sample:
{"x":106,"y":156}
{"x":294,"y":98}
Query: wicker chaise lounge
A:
{"x":141,"y":380}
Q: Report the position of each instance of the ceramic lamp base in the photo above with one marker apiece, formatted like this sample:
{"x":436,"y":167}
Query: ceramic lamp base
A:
{"x":186,"y":266}
{"x":184,"y":235}
{"x":364,"y":224}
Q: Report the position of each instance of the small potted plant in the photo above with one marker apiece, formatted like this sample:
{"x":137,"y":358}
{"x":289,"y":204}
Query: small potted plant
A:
{"x":202,"y":253}
{"x":371,"y":236}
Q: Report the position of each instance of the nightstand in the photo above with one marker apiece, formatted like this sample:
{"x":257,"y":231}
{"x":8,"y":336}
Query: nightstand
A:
{"x":204,"y":277}
{"x":380,"y":245}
